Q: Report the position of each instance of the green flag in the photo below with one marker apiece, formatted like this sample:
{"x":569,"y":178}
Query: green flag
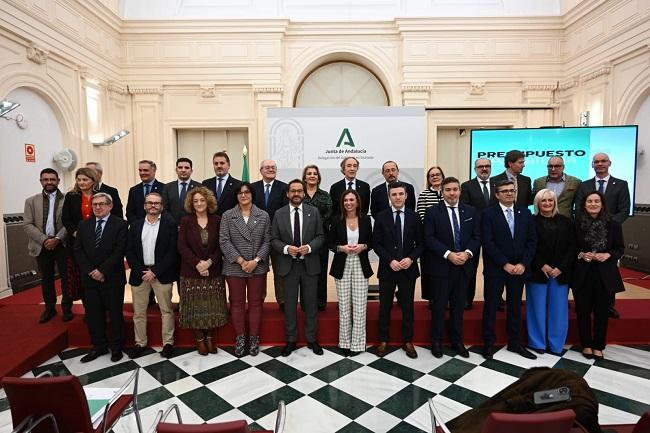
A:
{"x":245,"y":176}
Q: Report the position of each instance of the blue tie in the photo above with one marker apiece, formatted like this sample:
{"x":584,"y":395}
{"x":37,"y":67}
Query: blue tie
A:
{"x":98,"y":232}
{"x":456,"y":228}
{"x":181,"y":197}
{"x":219,"y":188}
{"x":267,"y":194}
{"x":511,"y":222}
{"x":398,"y":232}
{"x":147,"y":189}
{"x":601,"y":186}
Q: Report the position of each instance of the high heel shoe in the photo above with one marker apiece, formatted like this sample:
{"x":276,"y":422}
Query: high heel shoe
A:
{"x":598,"y":355}
{"x":240,"y":345}
{"x":254,"y":345}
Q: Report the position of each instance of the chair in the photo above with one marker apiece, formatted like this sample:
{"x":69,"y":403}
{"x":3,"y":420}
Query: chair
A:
{"x":161,"y":426}
{"x":547,"y":422}
{"x":64,"y":398}
{"x":642,"y":426}
{"x":29,"y":424}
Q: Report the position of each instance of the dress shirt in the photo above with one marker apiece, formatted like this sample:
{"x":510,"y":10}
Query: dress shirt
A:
{"x":149,"y":236}
{"x":451,"y":223}
{"x":105,"y":219}
{"x":50,"y":229}
{"x":187,"y":185}
{"x":606,"y":179}
{"x":556,"y":187}
{"x":292,"y":211}
{"x":402,"y":217}
{"x":144,"y":187}
{"x":354,"y":183}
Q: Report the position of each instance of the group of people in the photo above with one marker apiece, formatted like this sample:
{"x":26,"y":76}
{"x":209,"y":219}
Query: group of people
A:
{"x":223,"y":235}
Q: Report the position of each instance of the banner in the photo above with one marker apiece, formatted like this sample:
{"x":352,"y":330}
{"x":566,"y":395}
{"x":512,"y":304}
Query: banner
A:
{"x":325,"y":136}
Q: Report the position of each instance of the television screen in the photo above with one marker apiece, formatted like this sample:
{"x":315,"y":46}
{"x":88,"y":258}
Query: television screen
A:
{"x":576,"y":145}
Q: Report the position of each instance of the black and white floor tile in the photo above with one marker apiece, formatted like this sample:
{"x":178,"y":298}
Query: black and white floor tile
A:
{"x":332,"y":393}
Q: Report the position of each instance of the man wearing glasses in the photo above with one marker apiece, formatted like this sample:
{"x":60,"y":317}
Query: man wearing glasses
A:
{"x":152,"y":257}
{"x":99,"y":251}
{"x":563,"y":185}
{"x":509,"y":243}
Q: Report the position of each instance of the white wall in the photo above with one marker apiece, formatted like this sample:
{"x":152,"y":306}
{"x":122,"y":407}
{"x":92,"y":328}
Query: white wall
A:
{"x":20,"y":178}
{"x":643,"y":163}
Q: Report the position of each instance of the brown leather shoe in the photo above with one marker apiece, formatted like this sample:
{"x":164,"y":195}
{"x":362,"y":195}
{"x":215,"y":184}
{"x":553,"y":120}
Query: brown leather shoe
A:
{"x":381,"y":350}
{"x":410,"y":350}
{"x":201,"y":347}
{"x":211,"y":347}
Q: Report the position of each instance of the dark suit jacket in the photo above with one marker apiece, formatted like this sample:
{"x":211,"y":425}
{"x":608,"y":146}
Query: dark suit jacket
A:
{"x":277,"y":198}
{"x":165,"y":254}
{"x":135,"y":204}
{"x":524,"y":192}
{"x":108,"y":257}
{"x":379,"y":198}
{"x":499,"y":247}
{"x":228,"y":199}
{"x":338,"y":235}
{"x":471,"y":193}
{"x":336,"y":190}
{"x":118,"y":209}
{"x":617,"y":197}
{"x":312,"y":235}
{"x":557,"y":249}
{"x":385,"y":241}
{"x":609,"y":272}
{"x":175,"y":209}
{"x":439,"y":238}
{"x":192,"y":250}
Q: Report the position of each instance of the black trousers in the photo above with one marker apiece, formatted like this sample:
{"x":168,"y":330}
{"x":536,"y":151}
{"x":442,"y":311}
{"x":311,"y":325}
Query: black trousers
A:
{"x":99,"y":302}
{"x":514,"y":285}
{"x":406,"y":287}
{"x":47,"y":261}
{"x":592,"y":298}
{"x":450,"y":290}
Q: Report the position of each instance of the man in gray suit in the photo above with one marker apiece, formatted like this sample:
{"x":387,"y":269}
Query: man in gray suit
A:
{"x":297,"y":236}
{"x":563,"y":185}
{"x":46,"y":233}
{"x":175,"y":192}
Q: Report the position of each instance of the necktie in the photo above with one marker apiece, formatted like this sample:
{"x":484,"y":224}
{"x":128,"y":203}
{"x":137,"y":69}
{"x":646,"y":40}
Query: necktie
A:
{"x":98,"y":232}
{"x":147,"y":189}
{"x":486,"y":193}
{"x":219,"y":188}
{"x":514,"y":179}
{"x":511,"y":222}
{"x":398,"y":233}
{"x":350,"y":185}
{"x":296,"y":228}
{"x":181,"y":198}
{"x":601,"y":186}
{"x":456,"y":229}
{"x":267,"y":194}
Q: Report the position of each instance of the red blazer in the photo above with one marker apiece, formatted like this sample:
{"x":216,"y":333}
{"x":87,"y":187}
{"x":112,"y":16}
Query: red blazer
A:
{"x":191,"y":249}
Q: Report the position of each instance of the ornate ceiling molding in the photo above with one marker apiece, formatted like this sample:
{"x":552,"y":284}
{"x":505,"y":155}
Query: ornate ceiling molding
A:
{"x":269,"y":89}
{"x":114,"y":87}
{"x":569,"y":83}
{"x":416,"y":87}
{"x":135,"y":90}
{"x":540,"y":86}
{"x":36,"y":54}
{"x":604,"y":69}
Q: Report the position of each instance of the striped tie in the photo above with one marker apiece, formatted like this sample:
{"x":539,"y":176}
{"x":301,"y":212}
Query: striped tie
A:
{"x":98,"y":232}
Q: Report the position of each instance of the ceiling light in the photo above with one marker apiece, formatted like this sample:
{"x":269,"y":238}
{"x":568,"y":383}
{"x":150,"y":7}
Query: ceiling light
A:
{"x":6,"y":106}
{"x":113,"y":138}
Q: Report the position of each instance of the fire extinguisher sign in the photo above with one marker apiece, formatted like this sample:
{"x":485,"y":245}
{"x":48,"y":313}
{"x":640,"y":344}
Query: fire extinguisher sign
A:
{"x":30,"y":152}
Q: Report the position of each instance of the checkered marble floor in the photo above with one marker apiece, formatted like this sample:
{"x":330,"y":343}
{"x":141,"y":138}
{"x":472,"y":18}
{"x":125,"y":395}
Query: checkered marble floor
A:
{"x":332,"y":393}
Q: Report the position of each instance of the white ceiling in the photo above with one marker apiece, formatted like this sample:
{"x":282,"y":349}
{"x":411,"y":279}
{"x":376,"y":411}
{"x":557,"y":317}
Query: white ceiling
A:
{"x":338,"y":10}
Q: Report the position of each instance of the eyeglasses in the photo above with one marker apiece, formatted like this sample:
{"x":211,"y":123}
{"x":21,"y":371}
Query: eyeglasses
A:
{"x":483,"y":166}
{"x":554,"y":166}
{"x":153,"y":203}
{"x":244,"y":193}
{"x":296,"y":191}
{"x":507,"y":191}
{"x":100,"y":204}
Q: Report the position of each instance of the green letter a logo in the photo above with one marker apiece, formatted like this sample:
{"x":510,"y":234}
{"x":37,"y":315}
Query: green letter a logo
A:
{"x":345,"y":139}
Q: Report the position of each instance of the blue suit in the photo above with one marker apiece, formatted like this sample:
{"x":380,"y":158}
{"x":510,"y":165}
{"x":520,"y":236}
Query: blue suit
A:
{"x":450,"y":281}
{"x":500,"y":248}
{"x":385,"y":244}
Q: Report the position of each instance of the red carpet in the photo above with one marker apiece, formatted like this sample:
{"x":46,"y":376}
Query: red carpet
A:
{"x":635,"y":277}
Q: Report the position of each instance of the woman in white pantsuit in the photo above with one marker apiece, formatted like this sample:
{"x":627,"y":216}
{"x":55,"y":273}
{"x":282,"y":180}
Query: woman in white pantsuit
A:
{"x":350,"y":240}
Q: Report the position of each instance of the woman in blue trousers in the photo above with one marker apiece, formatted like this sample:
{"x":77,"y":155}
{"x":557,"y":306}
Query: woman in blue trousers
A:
{"x":547,"y":290}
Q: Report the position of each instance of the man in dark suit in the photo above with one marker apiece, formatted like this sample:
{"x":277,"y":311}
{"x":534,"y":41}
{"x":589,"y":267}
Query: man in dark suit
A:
{"x":509,"y":242}
{"x":153,"y":259}
{"x":398,"y":241}
{"x":223,"y":185}
{"x":379,"y":194}
{"x":135,"y":203}
{"x":297,"y":236}
{"x":99,"y":251}
{"x":118,"y":210}
{"x":349,"y":168}
{"x":175,"y":192}
{"x":452,"y":240}
{"x":617,"y":199}
{"x":515,"y":161}
{"x":476,"y":193}
{"x":271,"y":195}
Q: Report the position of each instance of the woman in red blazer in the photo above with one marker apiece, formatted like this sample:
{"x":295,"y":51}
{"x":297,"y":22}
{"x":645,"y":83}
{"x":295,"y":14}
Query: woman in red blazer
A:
{"x":202,"y":289}
{"x":596,"y":276}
